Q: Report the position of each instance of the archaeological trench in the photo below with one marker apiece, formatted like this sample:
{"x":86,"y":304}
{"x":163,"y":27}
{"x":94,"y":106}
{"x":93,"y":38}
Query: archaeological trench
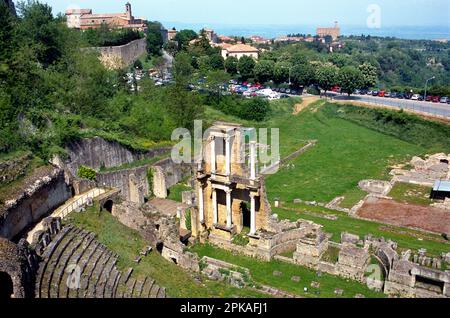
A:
{"x":43,"y":257}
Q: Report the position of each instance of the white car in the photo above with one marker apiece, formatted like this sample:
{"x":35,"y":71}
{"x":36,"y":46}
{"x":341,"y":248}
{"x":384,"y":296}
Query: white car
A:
{"x":415,"y":97}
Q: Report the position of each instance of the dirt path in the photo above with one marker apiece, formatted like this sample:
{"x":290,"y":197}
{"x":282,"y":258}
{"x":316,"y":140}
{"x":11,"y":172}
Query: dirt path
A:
{"x":306,"y":101}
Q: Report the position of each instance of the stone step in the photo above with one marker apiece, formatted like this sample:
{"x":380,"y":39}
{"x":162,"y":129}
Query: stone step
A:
{"x":154,"y":291}
{"x":110,"y":284}
{"x":53,"y":261}
{"x":129,"y":288}
{"x":46,"y":255}
{"x":104,"y":278}
{"x":161,"y":293}
{"x":83,"y":263}
{"x":97,"y":273}
{"x":147,"y":287}
{"x":63,"y":262}
{"x":138,"y":288}
{"x":90,"y":267}
{"x":75,"y":260}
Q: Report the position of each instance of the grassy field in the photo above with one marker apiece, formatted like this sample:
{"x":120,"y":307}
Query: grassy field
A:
{"x":411,"y":193}
{"x":127,"y":243}
{"x":407,"y":239}
{"x":262,"y":273}
{"x":345,"y":154}
{"x":175,"y":192}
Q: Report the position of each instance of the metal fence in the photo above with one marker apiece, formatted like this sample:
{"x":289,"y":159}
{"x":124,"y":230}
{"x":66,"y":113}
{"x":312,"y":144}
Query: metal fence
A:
{"x":427,"y":108}
{"x":82,"y":201}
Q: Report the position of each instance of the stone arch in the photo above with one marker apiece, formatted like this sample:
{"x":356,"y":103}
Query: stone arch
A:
{"x":108,"y":206}
{"x":160,"y":247}
{"x":6,"y":286}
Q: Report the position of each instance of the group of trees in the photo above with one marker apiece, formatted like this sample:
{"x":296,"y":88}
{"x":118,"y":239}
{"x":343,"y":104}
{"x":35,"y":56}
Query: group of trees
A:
{"x":104,"y":36}
{"x":52,"y":91}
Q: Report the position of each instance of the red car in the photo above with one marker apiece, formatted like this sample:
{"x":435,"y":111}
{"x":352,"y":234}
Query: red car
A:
{"x":336,"y":89}
{"x":429,"y":98}
{"x":381,"y":93}
{"x":436,"y":99}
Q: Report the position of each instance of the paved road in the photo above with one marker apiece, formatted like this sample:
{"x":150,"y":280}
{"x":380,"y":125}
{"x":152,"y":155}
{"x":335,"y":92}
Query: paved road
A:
{"x":425,"y":107}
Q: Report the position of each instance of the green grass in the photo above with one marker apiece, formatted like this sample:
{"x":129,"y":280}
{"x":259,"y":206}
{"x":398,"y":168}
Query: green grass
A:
{"x":127,"y":243}
{"x":134,"y":164}
{"x":406,"y":238}
{"x":175,"y":192}
{"x":411,"y":193}
{"x":331,"y":255}
{"x":262,"y":273}
{"x":352,"y":197}
{"x":345,"y":154}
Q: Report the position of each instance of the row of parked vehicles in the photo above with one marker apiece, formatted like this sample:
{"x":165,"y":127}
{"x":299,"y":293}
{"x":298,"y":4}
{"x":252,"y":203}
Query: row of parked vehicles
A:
{"x":411,"y":96}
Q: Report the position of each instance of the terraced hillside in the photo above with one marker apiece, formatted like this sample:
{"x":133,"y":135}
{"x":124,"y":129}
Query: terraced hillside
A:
{"x":76,"y":265}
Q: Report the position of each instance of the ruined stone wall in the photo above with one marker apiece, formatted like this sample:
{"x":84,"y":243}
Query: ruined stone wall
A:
{"x":132,"y":183}
{"x":166,"y":174}
{"x":33,"y":203}
{"x":97,"y":152}
{"x":116,"y":57}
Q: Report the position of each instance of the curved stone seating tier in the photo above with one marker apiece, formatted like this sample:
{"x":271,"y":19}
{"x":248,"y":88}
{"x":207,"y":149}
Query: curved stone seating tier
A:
{"x":74,"y":251}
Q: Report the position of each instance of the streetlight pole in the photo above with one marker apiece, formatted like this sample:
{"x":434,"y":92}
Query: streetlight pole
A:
{"x":426,"y":87}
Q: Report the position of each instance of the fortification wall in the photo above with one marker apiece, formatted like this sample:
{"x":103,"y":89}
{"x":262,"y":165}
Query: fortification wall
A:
{"x":116,"y":57}
{"x":166,"y":173}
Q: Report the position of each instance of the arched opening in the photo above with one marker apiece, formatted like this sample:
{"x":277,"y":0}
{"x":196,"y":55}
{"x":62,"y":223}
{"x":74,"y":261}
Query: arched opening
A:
{"x":245,"y":210}
{"x":159,"y":247}
{"x":6,"y":286}
{"x":174,"y":260}
{"x":108,"y":206}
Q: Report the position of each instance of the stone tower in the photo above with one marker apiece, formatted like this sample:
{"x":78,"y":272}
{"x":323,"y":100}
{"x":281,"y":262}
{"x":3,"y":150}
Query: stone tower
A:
{"x":128,"y":11}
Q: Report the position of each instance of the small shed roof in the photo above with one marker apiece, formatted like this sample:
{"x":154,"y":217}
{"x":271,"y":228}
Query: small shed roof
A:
{"x":441,"y":186}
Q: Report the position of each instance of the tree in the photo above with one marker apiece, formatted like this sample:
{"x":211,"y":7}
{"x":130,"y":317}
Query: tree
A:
{"x":217,"y":62}
{"x":264,"y":70}
{"x":303,"y":75}
{"x":182,"y":68}
{"x":369,"y":75}
{"x":215,"y":80}
{"x":350,"y":78}
{"x":327,"y":76}
{"x":231,"y":65}
{"x":246,"y":66}
{"x":255,"y":109}
{"x":183,"y":38}
{"x":155,"y":39}
{"x":281,"y":72}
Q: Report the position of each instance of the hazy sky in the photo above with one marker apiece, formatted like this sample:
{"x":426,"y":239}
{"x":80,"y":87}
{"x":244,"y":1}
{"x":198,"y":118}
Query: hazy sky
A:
{"x":301,"y":12}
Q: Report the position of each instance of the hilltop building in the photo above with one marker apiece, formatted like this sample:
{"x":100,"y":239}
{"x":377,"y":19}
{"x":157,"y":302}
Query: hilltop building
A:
{"x":239,"y":50}
{"x":334,"y":32}
{"x":85,"y":19}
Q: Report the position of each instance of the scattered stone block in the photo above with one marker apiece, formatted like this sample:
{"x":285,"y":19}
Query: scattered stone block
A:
{"x":138,"y":259}
{"x":339,"y":291}
{"x":298,"y":201}
{"x":277,"y":273}
{"x":295,"y":279}
{"x":360,"y":296}
{"x":315,"y":285}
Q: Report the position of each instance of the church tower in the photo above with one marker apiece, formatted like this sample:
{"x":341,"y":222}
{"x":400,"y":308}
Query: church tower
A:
{"x":129,"y":13}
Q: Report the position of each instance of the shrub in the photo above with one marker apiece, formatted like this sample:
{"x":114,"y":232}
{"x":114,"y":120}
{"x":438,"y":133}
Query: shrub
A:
{"x":87,"y":173}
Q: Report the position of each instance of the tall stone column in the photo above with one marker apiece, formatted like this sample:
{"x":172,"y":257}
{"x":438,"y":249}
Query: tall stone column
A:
{"x":228,"y":155}
{"x":213,"y":155}
{"x":252,"y":214}
{"x":252,"y":160}
{"x":201,"y":207}
{"x":214,"y":203}
{"x":229,"y":209}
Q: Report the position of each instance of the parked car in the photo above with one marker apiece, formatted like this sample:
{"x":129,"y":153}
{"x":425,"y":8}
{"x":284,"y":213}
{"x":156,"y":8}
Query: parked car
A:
{"x":381,"y":93}
{"x":401,"y":96}
{"x":416,"y":97}
{"x":444,"y":100}
{"x":393,"y":95}
{"x":282,"y":96}
{"x":375,"y":93}
{"x":387,"y":94}
{"x":288,"y":91}
{"x":295,"y":92}
{"x":436,"y":99}
{"x":429,"y":98}
{"x":282,"y":90}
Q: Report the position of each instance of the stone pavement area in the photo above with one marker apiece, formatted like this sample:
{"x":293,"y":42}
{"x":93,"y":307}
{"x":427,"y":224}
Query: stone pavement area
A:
{"x":408,"y":215}
{"x":167,"y":207}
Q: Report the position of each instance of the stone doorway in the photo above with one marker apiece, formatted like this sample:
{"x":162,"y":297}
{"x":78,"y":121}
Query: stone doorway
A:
{"x":246,"y":214}
{"x":6,"y":286}
{"x":108,"y":206}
